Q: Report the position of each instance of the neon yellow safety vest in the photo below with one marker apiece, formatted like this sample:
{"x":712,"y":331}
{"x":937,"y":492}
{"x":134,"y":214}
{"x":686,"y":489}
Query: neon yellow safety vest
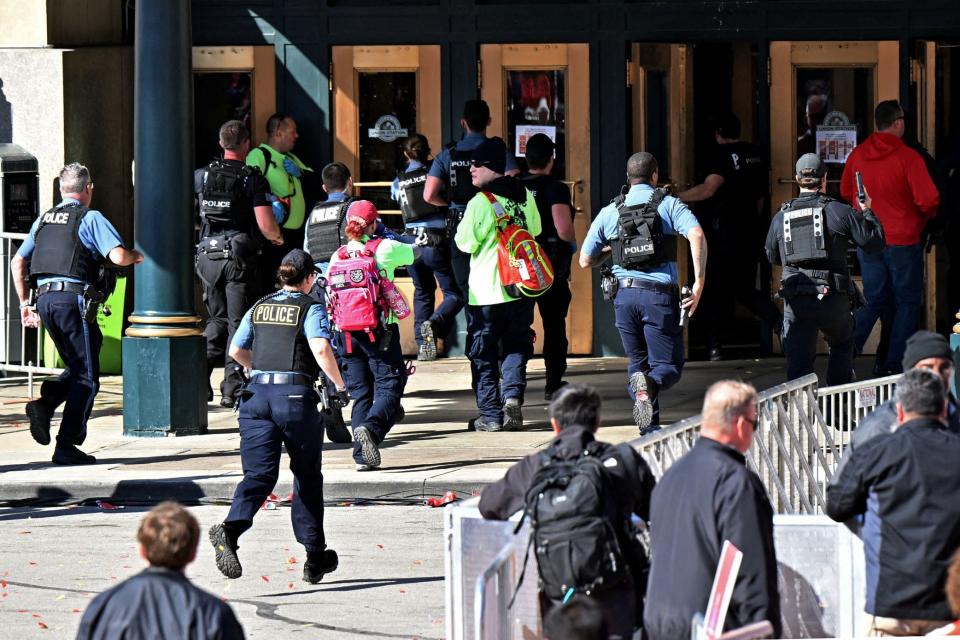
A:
{"x":282,"y":184}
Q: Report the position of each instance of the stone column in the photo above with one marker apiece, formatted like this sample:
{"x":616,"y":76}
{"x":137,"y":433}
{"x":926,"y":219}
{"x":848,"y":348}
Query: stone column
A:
{"x":164,"y":367}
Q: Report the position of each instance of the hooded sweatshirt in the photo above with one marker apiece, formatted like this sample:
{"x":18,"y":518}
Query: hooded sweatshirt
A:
{"x":477,"y":235}
{"x":904,"y":197}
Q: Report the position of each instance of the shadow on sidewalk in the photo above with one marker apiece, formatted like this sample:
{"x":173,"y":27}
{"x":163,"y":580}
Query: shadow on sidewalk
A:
{"x":357,"y":585}
{"x":452,"y":464}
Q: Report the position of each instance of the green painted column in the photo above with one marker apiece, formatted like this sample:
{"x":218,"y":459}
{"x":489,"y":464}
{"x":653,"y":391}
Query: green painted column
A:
{"x":164,"y":367}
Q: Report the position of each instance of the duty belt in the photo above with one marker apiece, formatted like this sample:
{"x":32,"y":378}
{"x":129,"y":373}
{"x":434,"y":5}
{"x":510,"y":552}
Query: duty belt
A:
{"x":282,"y":378}
{"x":69,"y":287}
{"x":649,"y":285}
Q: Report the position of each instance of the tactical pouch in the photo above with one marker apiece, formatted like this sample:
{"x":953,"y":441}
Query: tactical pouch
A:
{"x":215,"y":247}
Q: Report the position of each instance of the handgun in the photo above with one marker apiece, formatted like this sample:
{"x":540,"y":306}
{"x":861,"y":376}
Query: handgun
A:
{"x":685,"y":293}
{"x":861,"y":194}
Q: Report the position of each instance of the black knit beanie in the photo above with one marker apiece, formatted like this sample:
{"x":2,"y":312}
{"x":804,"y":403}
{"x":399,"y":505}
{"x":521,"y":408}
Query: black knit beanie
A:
{"x":925,"y":344}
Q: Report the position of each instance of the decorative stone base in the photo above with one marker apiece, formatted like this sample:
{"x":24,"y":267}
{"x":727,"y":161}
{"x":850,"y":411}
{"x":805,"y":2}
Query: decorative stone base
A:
{"x":164,"y":386}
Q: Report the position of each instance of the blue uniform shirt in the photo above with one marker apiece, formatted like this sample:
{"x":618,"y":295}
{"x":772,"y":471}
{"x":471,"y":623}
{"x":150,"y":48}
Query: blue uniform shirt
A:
{"x":437,"y":222}
{"x":677,"y":219}
{"x":96,"y":234}
{"x":315,"y":325}
{"x":441,"y":164}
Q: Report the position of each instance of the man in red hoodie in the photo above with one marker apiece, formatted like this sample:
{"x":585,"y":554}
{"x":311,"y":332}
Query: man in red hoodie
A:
{"x":904,"y":199}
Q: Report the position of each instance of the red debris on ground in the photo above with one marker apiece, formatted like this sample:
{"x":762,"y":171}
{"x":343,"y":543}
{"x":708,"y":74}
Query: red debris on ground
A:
{"x":265,"y":578}
{"x":448,"y":497}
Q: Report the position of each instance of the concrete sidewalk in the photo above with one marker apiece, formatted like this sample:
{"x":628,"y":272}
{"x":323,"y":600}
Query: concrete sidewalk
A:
{"x":429,"y":453}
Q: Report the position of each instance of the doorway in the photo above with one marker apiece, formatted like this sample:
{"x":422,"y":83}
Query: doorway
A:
{"x":382,"y":95}
{"x":545,"y":88}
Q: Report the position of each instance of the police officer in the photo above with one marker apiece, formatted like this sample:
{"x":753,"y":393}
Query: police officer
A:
{"x":235,"y":221}
{"x":282,"y":339}
{"x":66,"y":250}
{"x":647,"y":302}
{"x":559,"y":241}
{"x":449,"y":181}
{"x":730,"y":200}
{"x":427,"y":223}
{"x":809,"y":236}
{"x":326,"y":225}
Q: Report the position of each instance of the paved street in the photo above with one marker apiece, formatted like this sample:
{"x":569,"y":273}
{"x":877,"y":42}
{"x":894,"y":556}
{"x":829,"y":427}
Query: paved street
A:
{"x":389,"y":584}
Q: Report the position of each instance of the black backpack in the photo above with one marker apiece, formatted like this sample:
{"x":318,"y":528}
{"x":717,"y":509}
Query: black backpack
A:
{"x":641,"y":243}
{"x":574,"y":518}
{"x":223,"y":185}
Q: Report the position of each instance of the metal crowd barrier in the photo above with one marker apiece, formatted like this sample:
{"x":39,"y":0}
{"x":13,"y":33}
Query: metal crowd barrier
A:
{"x":21,"y":349}
{"x":802,"y":432}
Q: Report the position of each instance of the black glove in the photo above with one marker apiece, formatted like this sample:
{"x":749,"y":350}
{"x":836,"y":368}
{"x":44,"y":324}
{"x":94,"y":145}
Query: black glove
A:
{"x":341,"y":397}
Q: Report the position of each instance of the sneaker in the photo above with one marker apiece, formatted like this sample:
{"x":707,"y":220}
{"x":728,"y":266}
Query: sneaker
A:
{"x":512,"y":415}
{"x":319,"y":565}
{"x":40,"y":416}
{"x":365,"y":467}
{"x":226,"y":552}
{"x":482,"y":424}
{"x":368,"y":448}
{"x":428,"y":350}
{"x":548,"y":393}
{"x":67,"y":454}
{"x":642,"y":405}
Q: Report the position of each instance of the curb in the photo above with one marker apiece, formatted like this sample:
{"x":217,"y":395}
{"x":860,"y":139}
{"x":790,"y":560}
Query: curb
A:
{"x":221,"y":490}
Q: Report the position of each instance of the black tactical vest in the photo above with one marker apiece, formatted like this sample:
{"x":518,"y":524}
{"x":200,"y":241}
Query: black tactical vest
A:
{"x":221,"y":197}
{"x":279,"y":343}
{"x":412,"y":205}
{"x":326,"y":229}
{"x":641,"y":244}
{"x":804,"y":243}
{"x":460,"y":187}
{"x":59,"y":251}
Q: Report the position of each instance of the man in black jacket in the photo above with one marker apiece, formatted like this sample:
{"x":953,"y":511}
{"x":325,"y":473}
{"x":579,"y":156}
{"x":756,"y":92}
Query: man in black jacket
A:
{"x":810,"y":237}
{"x":924,"y":350}
{"x":906,"y":486}
{"x":160,"y":602}
{"x":705,"y":498}
{"x":575,"y":416}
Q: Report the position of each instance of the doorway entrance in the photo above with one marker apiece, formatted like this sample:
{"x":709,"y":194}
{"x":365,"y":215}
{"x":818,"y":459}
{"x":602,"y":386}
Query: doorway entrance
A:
{"x":545,"y":88}
{"x":822,"y":97}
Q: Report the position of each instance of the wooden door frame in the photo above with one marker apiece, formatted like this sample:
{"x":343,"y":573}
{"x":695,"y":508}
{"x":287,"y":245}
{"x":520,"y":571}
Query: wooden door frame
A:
{"x":574,"y":58}
{"x":349,"y":61}
{"x":259,"y":62}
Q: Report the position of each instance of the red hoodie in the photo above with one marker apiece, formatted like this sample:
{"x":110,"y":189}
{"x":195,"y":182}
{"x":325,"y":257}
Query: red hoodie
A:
{"x":904,"y":197}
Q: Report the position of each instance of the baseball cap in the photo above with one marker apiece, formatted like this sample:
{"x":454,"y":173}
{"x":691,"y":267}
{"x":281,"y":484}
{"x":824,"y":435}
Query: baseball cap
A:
{"x":299,"y":260}
{"x":492,"y":154}
{"x":811,"y":166}
{"x":362,"y":212}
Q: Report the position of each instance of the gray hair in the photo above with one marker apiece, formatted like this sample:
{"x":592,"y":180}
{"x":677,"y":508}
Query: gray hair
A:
{"x":641,"y":166}
{"x":725,"y":401}
{"x":920,"y":391}
{"x":74,"y":178}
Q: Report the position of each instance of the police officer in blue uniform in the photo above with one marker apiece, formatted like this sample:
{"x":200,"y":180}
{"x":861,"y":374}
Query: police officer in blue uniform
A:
{"x":449,"y":181}
{"x":647,"y":301}
{"x":236,"y":222}
{"x":66,"y":251}
{"x":326,"y":223}
{"x":282,"y":339}
{"x":809,"y":236}
{"x":427,"y":224}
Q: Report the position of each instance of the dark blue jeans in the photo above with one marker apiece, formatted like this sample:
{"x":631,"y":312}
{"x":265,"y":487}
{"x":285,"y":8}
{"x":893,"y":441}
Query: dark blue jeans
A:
{"x":892,"y":277}
{"x":803,"y":318}
{"x":434,"y":262}
{"x":649,"y":326}
{"x":272,"y":415}
{"x":501,"y":343}
{"x":78,"y":343}
{"x":375,"y":379}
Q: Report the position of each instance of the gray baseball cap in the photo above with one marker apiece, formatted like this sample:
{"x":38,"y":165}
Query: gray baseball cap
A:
{"x":811,"y":166}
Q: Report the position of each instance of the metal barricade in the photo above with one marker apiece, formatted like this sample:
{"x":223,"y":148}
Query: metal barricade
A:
{"x":21,"y":349}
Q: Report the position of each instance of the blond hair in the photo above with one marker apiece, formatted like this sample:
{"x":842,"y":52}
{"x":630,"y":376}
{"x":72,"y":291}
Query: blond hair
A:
{"x":725,"y":401}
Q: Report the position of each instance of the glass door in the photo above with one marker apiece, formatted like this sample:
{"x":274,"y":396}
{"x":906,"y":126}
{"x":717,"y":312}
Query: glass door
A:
{"x":545,"y":88}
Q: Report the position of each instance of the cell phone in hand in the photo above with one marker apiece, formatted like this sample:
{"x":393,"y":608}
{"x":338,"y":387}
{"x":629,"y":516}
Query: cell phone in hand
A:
{"x":861,"y":194}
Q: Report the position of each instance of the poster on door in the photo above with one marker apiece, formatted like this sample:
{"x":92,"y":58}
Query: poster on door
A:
{"x":834,"y":144}
{"x":526,"y":131}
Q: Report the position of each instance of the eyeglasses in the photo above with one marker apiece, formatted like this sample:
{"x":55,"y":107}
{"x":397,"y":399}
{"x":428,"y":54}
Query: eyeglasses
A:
{"x":90,"y":186}
{"x":753,"y":423}
{"x":479,"y":163}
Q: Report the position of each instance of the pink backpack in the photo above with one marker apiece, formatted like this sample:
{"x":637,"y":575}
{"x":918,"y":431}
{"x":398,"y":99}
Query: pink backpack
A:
{"x":354,"y":284}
